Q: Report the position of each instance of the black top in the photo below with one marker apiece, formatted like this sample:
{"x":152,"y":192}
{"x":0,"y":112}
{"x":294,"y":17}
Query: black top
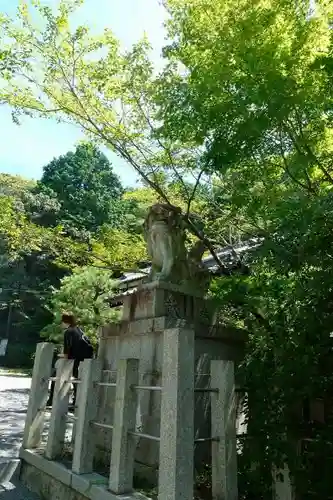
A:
{"x":72,"y":339}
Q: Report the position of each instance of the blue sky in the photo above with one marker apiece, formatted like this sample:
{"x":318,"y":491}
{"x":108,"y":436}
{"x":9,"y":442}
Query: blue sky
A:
{"x":25,"y":149}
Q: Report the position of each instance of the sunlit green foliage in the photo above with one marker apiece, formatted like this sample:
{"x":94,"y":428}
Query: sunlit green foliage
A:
{"x":85,"y":294}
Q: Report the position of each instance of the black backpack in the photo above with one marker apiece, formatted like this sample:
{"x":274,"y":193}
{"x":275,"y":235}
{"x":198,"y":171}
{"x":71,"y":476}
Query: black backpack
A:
{"x":85,"y":347}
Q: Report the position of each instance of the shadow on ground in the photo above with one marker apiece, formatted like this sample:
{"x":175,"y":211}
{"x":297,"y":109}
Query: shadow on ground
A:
{"x":15,"y":491}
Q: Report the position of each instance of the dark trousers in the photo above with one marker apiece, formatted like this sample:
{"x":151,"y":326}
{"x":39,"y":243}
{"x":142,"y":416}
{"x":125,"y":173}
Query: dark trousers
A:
{"x":75,"y":375}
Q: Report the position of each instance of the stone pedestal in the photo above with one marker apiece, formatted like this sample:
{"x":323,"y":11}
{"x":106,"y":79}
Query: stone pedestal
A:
{"x":158,"y":298}
{"x":147,"y":313}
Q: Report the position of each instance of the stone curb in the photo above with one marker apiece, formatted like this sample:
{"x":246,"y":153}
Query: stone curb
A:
{"x":92,"y":486}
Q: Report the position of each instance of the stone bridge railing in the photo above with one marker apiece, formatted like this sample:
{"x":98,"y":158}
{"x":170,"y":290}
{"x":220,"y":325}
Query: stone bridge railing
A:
{"x":176,"y":440}
{"x":177,"y":428}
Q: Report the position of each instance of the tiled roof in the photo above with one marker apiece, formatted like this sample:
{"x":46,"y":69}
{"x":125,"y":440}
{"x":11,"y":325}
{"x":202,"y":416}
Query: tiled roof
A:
{"x":227,"y":255}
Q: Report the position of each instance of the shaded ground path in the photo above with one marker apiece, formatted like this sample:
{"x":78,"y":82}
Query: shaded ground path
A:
{"x":14,"y":395}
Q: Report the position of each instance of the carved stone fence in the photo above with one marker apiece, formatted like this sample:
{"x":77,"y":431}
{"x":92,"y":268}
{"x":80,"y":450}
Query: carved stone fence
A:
{"x":176,"y":438}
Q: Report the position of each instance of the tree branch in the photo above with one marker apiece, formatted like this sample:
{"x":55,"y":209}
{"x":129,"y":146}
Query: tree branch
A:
{"x":191,"y":198}
{"x":308,"y":187}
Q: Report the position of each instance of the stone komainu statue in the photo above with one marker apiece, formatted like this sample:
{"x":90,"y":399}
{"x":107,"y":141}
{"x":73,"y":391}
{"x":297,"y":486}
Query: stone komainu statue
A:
{"x":164,"y":232}
{"x":165,"y":237}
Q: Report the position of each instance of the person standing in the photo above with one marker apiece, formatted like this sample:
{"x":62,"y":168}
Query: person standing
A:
{"x":76,"y":345}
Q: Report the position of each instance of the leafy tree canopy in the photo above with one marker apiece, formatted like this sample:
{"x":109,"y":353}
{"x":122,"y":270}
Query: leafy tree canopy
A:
{"x":85,"y":294}
{"x":256,"y":96}
{"x":36,"y":255}
{"x":85,"y":186}
{"x":15,"y":185}
{"x":109,"y":94}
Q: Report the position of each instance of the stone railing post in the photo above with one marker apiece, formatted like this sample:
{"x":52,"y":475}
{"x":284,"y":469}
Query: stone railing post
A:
{"x":124,"y":420}
{"x":76,"y":408}
{"x":34,"y":423}
{"x":223,"y":415}
{"x":177,"y":416}
{"x":57,"y":429}
{"x":282,"y":486}
{"x":84,"y":442}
